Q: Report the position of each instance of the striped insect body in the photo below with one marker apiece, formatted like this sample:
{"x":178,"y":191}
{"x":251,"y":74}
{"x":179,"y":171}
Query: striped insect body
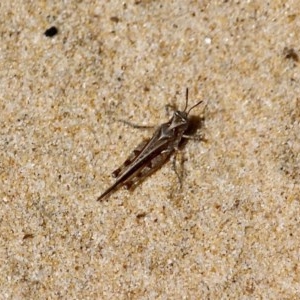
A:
{"x":151,"y":154}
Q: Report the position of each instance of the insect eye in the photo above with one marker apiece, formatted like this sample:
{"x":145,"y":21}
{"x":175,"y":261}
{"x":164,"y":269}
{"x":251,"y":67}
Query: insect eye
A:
{"x":179,"y":114}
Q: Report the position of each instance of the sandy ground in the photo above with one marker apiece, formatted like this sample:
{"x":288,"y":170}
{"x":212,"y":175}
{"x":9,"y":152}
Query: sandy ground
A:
{"x":231,"y":232}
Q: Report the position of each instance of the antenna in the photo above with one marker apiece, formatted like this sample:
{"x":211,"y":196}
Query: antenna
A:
{"x":194,"y":106}
{"x":187,"y":100}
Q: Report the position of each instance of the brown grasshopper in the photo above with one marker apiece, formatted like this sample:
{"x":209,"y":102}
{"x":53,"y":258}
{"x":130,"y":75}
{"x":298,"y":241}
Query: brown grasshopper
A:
{"x":152,"y":153}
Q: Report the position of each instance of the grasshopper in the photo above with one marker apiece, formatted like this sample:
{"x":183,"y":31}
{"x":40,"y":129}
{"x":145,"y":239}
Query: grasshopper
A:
{"x":152,"y":153}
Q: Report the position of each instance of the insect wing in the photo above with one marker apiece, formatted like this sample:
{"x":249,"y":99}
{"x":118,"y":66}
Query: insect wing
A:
{"x":130,"y":160}
{"x":140,"y":158}
{"x":146,"y":170}
{"x":152,"y":149}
